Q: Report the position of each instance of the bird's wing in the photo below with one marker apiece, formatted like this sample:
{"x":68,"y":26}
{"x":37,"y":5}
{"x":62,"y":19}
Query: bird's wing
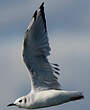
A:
{"x":36,"y":48}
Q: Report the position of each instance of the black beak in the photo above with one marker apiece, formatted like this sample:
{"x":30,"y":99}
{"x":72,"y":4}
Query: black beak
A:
{"x":11,"y":104}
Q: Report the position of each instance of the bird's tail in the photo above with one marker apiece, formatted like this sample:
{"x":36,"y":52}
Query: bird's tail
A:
{"x":77,"y":96}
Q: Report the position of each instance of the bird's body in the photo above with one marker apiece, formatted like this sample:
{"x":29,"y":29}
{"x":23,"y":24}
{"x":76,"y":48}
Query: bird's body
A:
{"x":48,"y":98}
{"x":45,"y":88}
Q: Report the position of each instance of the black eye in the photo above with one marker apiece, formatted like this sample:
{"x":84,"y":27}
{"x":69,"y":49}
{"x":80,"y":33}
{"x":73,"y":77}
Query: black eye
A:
{"x":20,"y":101}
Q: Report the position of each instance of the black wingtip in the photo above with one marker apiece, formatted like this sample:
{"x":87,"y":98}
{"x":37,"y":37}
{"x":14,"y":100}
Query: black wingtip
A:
{"x":42,"y":5}
{"x":43,"y":14}
{"x":41,"y":8}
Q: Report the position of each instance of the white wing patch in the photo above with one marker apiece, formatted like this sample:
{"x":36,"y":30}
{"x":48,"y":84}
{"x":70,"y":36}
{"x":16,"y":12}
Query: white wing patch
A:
{"x":35,"y":51}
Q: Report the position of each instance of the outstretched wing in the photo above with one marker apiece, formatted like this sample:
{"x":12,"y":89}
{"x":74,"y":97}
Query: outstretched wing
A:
{"x":35,"y":51}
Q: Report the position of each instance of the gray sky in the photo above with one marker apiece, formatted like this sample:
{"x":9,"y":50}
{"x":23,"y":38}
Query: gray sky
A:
{"x":69,"y":36}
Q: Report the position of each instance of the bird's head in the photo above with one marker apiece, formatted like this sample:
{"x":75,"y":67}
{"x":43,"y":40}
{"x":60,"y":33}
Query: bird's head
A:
{"x":20,"y":102}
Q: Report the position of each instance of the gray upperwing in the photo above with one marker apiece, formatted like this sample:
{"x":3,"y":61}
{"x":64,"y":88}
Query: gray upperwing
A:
{"x":35,"y":51}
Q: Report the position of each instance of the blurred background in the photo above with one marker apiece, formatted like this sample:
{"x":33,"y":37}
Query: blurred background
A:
{"x":68,"y":23}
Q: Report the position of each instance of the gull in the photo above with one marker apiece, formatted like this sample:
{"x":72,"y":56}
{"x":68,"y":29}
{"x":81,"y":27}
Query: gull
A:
{"x":45,"y":87}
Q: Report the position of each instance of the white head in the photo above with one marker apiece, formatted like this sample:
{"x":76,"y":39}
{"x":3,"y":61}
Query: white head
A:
{"x":20,"y":102}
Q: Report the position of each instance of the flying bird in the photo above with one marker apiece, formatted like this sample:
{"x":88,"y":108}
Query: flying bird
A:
{"x":45,"y":87}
